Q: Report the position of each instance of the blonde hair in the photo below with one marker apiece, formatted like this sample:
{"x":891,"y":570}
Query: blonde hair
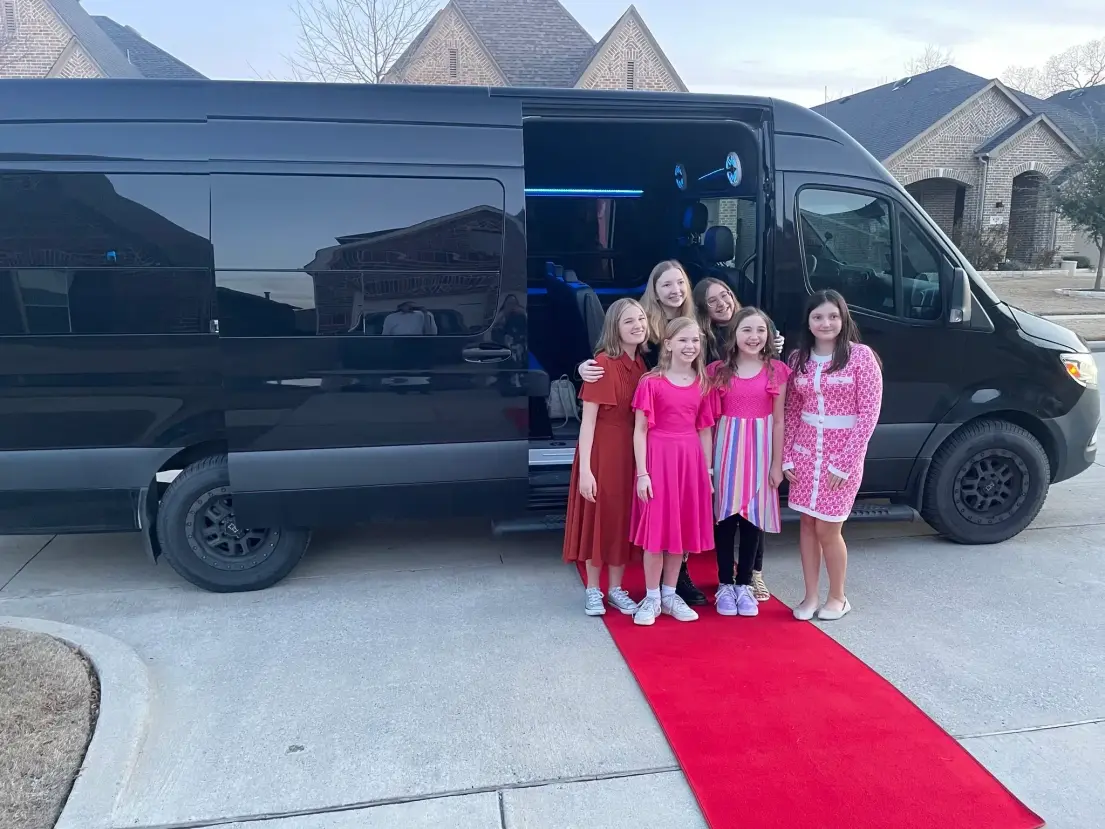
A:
{"x":610,"y":342}
{"x":654,"y":308}
{"x":671,"y":331}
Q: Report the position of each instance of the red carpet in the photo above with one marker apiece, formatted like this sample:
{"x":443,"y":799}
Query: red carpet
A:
{"x":776,"y":725}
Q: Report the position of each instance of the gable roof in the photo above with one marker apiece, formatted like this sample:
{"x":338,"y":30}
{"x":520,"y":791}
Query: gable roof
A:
{"x":119,"y":51}
{"x":150,"y":60}
{"x":1088,"y":103}
{"x":630,"y":14}
{"x":886,"y":118}
{"x":91,"y":37}
{"x":544,"y":50}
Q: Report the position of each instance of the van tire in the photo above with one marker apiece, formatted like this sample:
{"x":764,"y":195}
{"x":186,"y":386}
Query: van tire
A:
{"x":225,"y":559}
{"x":987,"y":482}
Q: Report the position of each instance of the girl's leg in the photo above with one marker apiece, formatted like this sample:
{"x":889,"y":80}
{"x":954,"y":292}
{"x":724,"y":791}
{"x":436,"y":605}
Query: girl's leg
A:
{"x":749,"y":540}
{"x":649,"y":608}
{"x":810,"y":548}
{"x":686,"y":588}
{"x":759,"y":588}
{"x":835,"y":551}
{"x":725,"y":540}
{"x":594,"y":576}
{"x":614,"y":576}
{"x":671,"y":603}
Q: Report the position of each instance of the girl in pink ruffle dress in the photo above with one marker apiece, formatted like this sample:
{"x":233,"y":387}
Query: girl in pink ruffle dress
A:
{"x":832,"y":408}
{"x":672,"y":513}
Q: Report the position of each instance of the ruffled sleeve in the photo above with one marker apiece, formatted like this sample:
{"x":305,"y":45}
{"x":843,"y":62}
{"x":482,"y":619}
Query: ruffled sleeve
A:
{"x":778,"y":377}
{"x":644,"y":399}
{"x":709,"y":409}
{"x":603,"y":391}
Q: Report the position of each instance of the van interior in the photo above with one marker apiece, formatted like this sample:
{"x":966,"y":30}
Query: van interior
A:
{"x":606,"y":201}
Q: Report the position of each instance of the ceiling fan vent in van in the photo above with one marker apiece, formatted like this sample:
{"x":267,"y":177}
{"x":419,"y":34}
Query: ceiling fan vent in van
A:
{"x":902,"y":82}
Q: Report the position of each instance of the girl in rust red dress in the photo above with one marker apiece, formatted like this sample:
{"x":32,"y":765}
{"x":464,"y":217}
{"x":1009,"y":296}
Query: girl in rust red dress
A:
{"x":601,"y":493}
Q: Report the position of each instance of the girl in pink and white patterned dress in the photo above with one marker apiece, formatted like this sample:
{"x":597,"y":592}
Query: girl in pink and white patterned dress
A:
{"x":832,"y":407}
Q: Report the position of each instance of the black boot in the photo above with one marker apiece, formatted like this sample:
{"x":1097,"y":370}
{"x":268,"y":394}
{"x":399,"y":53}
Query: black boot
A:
{"x":686,"y":589}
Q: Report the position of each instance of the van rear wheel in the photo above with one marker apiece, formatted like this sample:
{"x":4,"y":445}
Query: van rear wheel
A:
{"x":987,"y":483}
{"x":204,"y":544}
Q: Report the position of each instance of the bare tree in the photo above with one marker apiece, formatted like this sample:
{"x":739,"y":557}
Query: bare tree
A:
{"x":354,"y":41}
{"x":1078,"y":67}
{"x":934,"y":57}
{"x":1081,"y":200}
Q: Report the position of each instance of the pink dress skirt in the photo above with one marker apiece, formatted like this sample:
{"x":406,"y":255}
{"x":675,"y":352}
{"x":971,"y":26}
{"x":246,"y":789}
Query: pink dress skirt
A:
{"x":679,"y":518}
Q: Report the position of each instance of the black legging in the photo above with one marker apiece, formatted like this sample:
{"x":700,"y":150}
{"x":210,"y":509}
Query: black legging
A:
{"x":751,"y":549}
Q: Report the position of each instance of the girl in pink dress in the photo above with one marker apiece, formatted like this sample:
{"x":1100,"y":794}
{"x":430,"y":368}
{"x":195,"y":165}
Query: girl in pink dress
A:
{"x":749,"y":398}
{"x":672,"y":514}
{"x":832,"y":408}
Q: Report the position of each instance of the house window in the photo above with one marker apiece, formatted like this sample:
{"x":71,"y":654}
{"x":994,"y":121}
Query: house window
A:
{"x":631,"y":74}
{"x":454,"y":60}
{"x":9,"y":23}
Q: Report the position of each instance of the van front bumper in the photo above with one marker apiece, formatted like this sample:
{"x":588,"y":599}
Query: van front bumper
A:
{"x":1074,"y":436}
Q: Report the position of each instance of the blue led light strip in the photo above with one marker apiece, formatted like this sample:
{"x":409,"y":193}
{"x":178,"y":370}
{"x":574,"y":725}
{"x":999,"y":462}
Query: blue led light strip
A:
{"x":583,"y":191}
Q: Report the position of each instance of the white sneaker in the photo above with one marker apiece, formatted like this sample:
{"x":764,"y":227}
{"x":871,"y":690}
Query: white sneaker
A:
{"x":647,"y":611}
{"x":619,"y":598}
{"x":678,"y":609}
{"x":594,"y":605}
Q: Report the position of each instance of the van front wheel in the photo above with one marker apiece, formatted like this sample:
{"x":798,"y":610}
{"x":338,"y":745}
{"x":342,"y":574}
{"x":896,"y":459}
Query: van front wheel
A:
{"x":986,"y":483}
{"x":202,"y":541}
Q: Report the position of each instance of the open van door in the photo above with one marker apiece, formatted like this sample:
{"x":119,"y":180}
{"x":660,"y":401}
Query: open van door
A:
{"x":372,"y":317}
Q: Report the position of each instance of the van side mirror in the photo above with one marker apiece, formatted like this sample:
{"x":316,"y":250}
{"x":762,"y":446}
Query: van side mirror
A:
{"x":959,"y":312}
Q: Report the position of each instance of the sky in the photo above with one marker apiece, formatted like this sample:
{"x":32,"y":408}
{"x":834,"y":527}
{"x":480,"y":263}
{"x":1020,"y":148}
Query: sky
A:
{"x":805,"y":51}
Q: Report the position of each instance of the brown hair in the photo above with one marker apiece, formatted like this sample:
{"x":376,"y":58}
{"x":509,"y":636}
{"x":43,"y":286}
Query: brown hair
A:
{"x":702,"y":314}
{"x":610,"y":342}
{"x":728,"y":368}
{"x":849,"y":333}
{"x":663,"y":364}
{"x":654,"y":308}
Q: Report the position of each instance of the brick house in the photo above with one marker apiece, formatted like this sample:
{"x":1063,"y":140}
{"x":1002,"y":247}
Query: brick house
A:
{"x":533,"y":43}
{"x":976,"y":154}
{"x":59,"y":39}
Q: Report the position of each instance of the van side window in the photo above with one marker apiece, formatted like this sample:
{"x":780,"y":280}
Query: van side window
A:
{"x":847,"y":246}
{"x":93,"y":253}
{"x":356,"y":255}
{"x":920,"y":273}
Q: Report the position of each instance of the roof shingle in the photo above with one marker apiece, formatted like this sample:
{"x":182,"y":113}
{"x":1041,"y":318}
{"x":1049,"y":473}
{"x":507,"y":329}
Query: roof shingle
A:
{"x":150,"y":60}
{"x":97,"y":44}
{"x":547,"y":50}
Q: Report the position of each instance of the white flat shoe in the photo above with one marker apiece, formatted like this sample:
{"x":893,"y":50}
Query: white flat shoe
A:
{"x":804,"y":614}
{"x":824,"y":615}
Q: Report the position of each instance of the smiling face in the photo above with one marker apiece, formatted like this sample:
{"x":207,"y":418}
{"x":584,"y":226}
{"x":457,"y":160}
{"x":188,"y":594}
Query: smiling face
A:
{"x":633,"y":326}
{"x":672,"y":288}
{"x":720,"y":304}
{"x":685,"y":346}
{"x":825,"y":324}
{"x":752,"y":335}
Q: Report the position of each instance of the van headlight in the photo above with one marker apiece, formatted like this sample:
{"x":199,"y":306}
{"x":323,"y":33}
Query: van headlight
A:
{"x":1081,"y":368}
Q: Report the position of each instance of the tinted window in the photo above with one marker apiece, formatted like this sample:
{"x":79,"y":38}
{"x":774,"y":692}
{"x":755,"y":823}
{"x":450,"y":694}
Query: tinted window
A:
{"x":93,"y":220}
{"x":356,"y":256}
{"x":920,"y":273}
{"x":104,"y":301}
{"x":846,"y":244}
{"x":322,"y":223}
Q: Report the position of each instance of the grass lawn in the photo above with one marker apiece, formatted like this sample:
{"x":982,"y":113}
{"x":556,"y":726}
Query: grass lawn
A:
{"x":48,"y":701}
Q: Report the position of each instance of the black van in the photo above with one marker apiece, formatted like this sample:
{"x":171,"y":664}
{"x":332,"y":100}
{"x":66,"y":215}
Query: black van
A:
{"x":231,"y":312}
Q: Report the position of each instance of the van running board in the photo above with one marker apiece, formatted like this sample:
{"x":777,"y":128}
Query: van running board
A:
{"x":860,"y":512}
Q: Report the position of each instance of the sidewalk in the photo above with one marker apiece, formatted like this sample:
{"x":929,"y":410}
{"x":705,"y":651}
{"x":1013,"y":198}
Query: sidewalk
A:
{"x":1037,"y":293}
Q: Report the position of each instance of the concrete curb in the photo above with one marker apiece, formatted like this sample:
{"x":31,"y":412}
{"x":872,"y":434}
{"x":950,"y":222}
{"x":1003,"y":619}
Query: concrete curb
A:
{"x":125,"y":696}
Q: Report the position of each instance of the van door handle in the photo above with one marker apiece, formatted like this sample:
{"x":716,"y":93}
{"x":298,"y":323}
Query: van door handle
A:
{"x":486,"y":353}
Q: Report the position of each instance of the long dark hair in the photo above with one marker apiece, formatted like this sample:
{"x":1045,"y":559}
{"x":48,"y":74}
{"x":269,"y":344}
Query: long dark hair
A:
{"x":849,"y":332}
{"x":728,"y":368}
{"x":714,"y":333}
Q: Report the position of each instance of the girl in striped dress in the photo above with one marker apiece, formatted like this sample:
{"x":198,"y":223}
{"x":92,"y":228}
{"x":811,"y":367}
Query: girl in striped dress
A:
{"x":749,"y":396}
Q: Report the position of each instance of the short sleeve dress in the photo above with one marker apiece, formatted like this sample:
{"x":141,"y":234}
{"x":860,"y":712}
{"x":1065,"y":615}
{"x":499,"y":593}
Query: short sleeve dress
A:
{"x":599,"y":532}
{"x":679,"y":518}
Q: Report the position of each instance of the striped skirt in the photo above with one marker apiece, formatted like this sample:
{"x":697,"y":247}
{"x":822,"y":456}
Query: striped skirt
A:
{"x":742,"y":464}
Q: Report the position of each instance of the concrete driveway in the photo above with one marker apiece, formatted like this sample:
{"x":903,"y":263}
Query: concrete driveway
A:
{"x":433,"y":677}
